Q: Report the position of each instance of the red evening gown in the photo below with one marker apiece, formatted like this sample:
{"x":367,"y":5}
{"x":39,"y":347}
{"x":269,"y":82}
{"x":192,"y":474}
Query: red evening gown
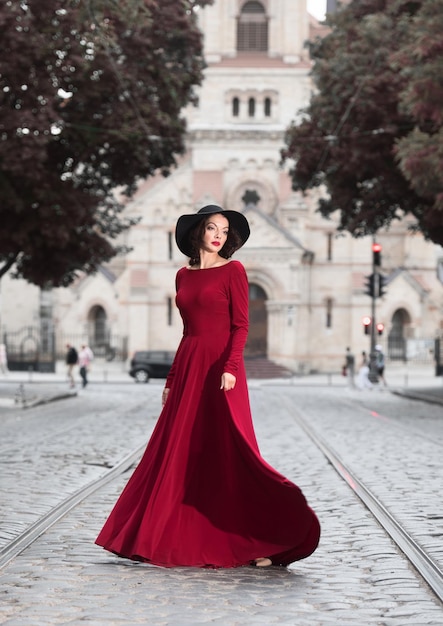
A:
{"x":202,"y":495}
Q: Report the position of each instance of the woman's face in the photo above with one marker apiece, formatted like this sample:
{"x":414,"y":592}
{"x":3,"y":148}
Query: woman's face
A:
{"x":215,"y":233}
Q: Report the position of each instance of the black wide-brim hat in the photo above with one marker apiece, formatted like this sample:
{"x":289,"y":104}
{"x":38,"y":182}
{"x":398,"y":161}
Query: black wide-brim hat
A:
{"x":186,"y":223}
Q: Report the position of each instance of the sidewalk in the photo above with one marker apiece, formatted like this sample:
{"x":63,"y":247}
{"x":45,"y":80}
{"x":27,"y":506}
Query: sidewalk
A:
{"x":28,"y":389}
{"x":415,"y":382}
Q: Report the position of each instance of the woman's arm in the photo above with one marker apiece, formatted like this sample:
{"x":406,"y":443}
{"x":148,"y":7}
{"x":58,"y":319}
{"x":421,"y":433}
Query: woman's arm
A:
{"x":239,"y":310}
{"x":171,"y":374}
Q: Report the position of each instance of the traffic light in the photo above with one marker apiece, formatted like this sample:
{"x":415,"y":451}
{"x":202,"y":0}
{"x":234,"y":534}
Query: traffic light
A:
{"x":367,"y":324}
{"x":369,"y":285}
{"x":376,"y":254}
{"x":375,"y":285}
{"x":382,"y":281}
{"x":380,"y":328}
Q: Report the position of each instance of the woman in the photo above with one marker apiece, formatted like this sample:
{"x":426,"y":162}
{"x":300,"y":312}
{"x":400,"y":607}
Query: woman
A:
{"x":363,"y":373}
{"x":84,"y":360}
{"x":202,"y":495}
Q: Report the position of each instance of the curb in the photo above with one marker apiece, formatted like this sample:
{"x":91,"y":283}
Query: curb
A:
{"x":29,"y":404}
{"x":416,"y":395}
{"x":44,"y":400}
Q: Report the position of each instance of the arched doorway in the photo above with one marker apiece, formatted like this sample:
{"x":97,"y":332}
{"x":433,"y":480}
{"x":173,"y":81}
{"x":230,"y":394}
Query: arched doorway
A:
{"x":98,"y":327}
{"x":257,"y":344}
{"x":398,"y":334}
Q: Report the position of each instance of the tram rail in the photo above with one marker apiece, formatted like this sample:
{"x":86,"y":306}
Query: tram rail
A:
{"x":12,"y":549}
{"x":422,"y":562}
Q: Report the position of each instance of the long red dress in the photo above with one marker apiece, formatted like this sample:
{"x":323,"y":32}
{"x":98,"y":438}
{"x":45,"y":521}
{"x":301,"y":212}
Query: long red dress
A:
{"x":202,"y":495}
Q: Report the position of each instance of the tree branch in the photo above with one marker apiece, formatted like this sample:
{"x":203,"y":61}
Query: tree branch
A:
{"x":11,"y":259}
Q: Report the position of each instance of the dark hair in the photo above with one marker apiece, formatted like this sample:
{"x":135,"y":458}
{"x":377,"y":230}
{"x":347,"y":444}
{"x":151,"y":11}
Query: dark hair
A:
{"x":232,"y":243}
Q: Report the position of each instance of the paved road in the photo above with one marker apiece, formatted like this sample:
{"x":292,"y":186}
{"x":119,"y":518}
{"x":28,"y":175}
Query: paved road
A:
{"x":357,"y":576}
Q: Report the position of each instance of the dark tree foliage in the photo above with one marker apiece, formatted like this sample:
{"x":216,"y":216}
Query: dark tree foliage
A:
{"x":90,"y":98}
{"x":421,"y":152}
{"x":357,"y":135}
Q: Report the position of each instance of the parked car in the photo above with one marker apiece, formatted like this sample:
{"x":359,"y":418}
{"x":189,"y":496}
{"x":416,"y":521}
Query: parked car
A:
{"x":150,"y":364}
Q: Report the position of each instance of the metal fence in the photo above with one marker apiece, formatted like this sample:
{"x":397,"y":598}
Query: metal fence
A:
{"x":111,"y":347}
{"x":34,"y":348}
{"x":30,"y":348}
{"x":418,"y":351}
{"x":38,"y":348}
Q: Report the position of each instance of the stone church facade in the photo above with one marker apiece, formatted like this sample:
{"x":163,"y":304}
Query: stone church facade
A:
{"x":307,"y":281}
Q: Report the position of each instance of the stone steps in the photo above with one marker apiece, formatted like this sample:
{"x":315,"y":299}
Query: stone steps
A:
{"x":261,"y":367}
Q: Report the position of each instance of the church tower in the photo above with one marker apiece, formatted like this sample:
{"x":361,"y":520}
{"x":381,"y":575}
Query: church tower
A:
{"x":256,"y":82}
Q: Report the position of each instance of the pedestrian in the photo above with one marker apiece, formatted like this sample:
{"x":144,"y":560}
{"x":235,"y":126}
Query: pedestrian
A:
{"x":202,"y":495}
{"x":363,"y":381}
{"x":71,"y":362}
{"x":350,"y":367}
{"x":380,"y":363}
{"x":3,"y":359}
{"x":84,"y":360}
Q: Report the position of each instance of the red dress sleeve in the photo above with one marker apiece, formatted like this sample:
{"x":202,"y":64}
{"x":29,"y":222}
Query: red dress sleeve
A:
{"x":170,"y":376}
{"x":238,"y":306}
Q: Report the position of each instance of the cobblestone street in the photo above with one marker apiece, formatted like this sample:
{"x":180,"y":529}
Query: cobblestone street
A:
{"x":357,"y":576}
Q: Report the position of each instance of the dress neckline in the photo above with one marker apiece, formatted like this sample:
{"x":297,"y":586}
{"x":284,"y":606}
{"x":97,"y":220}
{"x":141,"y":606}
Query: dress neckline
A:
{"x":204,"y":269}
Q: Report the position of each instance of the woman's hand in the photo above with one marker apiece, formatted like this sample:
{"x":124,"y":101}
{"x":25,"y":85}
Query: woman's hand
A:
{"x":165,"y":395}
{"x":227,"y":381}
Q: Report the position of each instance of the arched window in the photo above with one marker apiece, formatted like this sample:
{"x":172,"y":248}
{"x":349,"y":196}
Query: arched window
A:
{"x":251,"y":107}
{"x":170,"y":245}
{"x":329,"y":247}
{"x":169,"y":305}
{"x":252,"y":28}
{"x":329,"y":304}
{"x":235,"y":107}
{"x":267,"y":107}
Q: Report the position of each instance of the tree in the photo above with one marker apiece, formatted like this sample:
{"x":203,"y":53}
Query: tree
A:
{"x":353,"y":136}
{"x":421,"y":152}
{"x":90,"y":100}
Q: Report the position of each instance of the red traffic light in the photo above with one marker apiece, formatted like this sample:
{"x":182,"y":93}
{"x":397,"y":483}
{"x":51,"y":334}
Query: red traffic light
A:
{"x":376,"y":253}
{"x":366,"y":324}
{"x":380,"y":328}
